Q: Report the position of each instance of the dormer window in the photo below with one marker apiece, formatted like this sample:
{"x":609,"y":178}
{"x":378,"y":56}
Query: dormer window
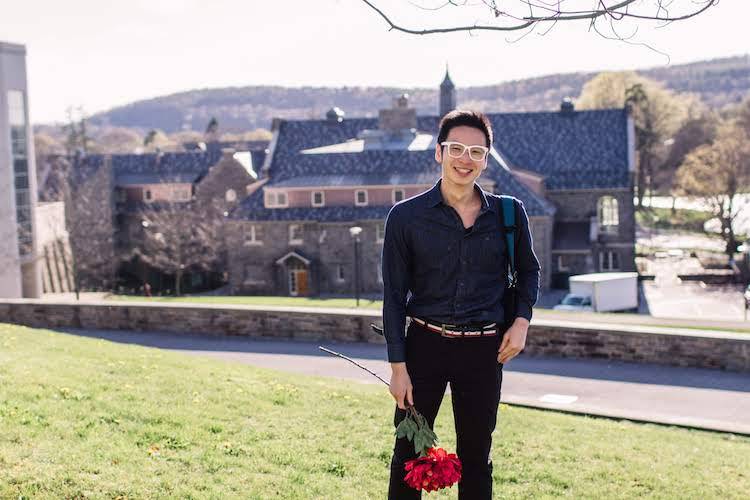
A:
{"x":360,"y":198}
{"x":398,"y":195}
{"x":318,"y":199}
{"x":275,"y":199}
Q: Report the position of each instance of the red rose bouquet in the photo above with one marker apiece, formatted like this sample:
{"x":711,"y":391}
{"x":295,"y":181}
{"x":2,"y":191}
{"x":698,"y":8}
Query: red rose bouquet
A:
{"x":434,"y":468}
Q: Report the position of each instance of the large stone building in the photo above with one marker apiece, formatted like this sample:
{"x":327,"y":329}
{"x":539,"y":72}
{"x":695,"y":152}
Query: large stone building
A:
{"x":572,"y":169}
{"x":111,"y":198}
{"x":20,"y":269}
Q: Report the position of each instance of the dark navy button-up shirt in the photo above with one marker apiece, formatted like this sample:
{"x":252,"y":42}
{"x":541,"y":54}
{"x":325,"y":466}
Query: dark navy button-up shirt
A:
{"x":435,"y":268}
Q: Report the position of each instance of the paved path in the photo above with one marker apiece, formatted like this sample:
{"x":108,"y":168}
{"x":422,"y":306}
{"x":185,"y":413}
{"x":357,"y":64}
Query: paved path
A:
{"x":692,"y":397}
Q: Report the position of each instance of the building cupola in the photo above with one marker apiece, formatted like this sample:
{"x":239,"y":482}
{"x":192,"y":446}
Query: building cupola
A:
{"x":447,"y":94}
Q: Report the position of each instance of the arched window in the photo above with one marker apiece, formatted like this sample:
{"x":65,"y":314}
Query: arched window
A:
{"x":609,"y":217}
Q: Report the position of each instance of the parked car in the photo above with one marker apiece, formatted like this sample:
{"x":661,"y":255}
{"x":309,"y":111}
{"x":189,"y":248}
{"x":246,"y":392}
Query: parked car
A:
{"x":572,"y":302}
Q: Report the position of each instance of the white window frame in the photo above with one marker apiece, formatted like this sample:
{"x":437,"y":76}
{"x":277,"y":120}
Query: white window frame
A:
{"x":608,"y":214}
{"x":340,"y":275}
{"x":380,"y":232}
{"x":606,"y":257}
{"x":253,"y":237}
{"x":272,"y":199}
{"x":295,"y":234}
{"x":560,"y":266}
{"x":322,"y":199}
{"x":393,"y":195}
{"x":357,"y":203}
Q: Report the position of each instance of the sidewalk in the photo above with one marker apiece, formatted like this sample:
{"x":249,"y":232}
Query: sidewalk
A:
{"x":690,"y":397}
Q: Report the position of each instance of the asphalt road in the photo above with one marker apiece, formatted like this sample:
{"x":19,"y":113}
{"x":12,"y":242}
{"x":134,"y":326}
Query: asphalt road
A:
{"x":692,"y":397}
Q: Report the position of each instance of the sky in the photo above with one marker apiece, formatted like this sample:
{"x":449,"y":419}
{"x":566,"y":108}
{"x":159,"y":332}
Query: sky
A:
{"x":100,"y":54}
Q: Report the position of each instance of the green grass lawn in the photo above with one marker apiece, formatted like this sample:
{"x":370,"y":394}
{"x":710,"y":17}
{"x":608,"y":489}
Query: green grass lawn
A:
{"x":87,"y":418}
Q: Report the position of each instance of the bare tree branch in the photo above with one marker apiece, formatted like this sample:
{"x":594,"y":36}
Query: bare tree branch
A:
{"x":541,"y":12}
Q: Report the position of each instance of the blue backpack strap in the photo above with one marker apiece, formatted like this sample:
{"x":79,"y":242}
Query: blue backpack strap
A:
{"x":509,"y":228}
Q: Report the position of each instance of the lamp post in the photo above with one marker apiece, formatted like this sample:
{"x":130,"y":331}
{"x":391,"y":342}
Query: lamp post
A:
{"x":355,"y":232}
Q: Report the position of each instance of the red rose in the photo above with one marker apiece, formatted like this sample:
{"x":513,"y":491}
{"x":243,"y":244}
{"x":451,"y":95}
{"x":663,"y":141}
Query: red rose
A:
{"x":434,"y":471}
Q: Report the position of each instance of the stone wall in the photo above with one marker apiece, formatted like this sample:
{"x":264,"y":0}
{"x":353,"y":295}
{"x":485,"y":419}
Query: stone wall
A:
{"x":728,"y":351}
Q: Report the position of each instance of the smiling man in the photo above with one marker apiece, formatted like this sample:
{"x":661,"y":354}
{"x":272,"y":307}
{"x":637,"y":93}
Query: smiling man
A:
{"x":445,"y":267}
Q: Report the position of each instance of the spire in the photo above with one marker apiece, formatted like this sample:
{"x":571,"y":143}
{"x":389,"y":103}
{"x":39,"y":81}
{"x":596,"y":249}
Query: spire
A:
{"x":447,"y":82}
{"x":447,"y":94}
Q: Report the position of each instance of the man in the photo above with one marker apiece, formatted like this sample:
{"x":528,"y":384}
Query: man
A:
{"x":445,"y":266}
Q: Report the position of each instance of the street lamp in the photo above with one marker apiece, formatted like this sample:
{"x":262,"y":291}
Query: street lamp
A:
{"x":355,"y":232}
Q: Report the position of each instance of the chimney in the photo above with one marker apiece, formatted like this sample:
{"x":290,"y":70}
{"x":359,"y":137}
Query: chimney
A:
{"x":335,"y":115}
{"x":399,"y":117}
{"x":567,"y":107}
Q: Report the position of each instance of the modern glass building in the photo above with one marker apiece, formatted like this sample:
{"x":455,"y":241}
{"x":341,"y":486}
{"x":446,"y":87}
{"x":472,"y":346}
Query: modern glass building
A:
{"x":20,"y":269}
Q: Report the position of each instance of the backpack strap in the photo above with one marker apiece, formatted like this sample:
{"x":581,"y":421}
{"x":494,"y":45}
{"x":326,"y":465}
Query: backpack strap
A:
{"x":508,"y":210}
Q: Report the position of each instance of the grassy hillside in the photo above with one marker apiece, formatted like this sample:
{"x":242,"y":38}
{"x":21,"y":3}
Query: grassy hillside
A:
{"x":87,"y":418}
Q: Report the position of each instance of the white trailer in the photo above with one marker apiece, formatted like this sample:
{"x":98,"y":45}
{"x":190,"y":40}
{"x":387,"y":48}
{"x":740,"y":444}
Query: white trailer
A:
{"x":607,"y":291}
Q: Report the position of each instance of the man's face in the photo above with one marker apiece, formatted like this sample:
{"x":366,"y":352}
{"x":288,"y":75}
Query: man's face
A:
{"x":461,"y":171}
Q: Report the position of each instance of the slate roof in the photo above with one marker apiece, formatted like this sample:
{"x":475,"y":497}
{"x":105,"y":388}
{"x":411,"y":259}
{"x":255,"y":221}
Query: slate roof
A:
{"x":572,"y":151}
{"x":129,"y":169}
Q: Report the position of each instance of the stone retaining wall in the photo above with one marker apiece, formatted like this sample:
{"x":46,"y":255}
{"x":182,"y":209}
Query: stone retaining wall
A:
{"x":728,"y":351}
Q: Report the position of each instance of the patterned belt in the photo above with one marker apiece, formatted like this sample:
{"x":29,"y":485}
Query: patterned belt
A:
{"x":455,"y":331}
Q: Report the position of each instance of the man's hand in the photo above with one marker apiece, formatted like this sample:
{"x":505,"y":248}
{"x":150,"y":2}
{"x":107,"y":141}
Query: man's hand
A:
{"x":514,"y":341}
{"x":401,"y":388}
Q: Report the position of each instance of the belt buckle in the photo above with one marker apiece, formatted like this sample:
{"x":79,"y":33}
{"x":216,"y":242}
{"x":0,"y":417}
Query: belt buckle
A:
{"x":442,"y":331}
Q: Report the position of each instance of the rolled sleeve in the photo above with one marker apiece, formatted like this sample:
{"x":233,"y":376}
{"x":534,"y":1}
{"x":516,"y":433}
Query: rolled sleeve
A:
{"x":396,"y":271}
{"x":527,"y":267}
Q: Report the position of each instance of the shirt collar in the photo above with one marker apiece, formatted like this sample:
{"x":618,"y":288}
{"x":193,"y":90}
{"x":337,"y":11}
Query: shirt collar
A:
{"x":435,"y":197}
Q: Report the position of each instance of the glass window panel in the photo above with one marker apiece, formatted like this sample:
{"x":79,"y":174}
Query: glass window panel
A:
{"x":16,"y":111}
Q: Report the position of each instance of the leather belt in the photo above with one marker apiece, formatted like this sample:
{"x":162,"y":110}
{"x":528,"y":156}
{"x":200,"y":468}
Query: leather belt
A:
{"x":455,"y":331}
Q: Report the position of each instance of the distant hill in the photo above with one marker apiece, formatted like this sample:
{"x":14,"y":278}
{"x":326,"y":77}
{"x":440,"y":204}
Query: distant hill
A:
{"x":718,"y":82}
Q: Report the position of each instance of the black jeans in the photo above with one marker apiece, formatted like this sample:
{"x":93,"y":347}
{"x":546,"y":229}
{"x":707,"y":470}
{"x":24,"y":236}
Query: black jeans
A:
{"x":470,"y":366}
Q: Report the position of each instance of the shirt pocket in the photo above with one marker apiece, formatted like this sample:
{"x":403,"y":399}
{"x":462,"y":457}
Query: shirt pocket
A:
{"x":490,"y":252}
{"x":433,"y":248}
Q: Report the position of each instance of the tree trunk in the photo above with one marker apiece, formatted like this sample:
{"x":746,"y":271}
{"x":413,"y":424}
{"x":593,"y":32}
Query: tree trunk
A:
{"x":178,"y":279}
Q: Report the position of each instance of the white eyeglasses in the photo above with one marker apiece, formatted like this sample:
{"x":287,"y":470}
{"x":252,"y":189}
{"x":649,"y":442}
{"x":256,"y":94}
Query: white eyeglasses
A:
{"x":457,"y":150}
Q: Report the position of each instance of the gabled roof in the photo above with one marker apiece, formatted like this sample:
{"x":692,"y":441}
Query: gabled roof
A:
{"x":150,"y":168}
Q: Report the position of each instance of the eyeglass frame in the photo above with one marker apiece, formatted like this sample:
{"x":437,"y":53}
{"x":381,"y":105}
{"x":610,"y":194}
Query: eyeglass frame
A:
{"x":465,"y":149}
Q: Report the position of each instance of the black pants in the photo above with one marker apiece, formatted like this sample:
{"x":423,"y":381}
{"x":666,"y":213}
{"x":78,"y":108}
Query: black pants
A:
{"x":470,"y":366}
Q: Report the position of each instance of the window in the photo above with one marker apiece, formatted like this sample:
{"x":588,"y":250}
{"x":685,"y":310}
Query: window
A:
{"x":276,"y":199}
{"x":608,"y":214}
{"x":398,"y":195}
{"x":230,"y":196}
{"x":360,"y":197}
{"x":181,"y":194}
{"x":147,"y":195}
{"x":318,"y":200}
{"x":340,"y":273}
{"x":609,"y":261}
{"x":380,"y":232}
{"x":562,"y":264}
{"x":252,"y":237}
{"x":295,"y":234}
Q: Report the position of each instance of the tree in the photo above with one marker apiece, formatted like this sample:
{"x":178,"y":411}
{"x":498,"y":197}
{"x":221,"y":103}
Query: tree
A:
{"x":657,"y":113}
{"x":177,"y":238}
{"x":601,"y":16}
{"x":717,"y":173}
{"x":695,"y":132}
{"x":77,"y":139}
{"x":117,"y":140}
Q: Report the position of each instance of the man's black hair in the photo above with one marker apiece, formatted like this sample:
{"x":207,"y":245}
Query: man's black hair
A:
{"x":461,"y":117}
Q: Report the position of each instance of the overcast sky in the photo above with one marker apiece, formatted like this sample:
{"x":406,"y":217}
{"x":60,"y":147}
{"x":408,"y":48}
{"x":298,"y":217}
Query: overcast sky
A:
{"x":100,"y":54}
